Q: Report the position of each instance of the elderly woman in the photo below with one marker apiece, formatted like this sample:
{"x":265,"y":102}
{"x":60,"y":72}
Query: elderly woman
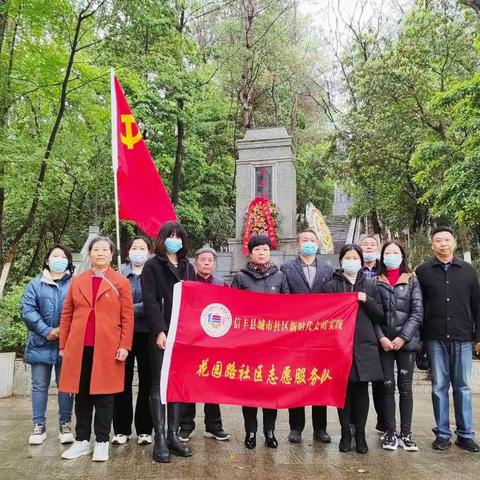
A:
{"x":96,"y":331}
{"x":260,"y":275}
{"x":41,"y":308}
{"x":169,"y":266}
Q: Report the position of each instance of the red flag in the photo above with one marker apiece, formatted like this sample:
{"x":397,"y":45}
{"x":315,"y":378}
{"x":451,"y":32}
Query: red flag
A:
{"x":142,"y":196}
{"x":237,"y":347}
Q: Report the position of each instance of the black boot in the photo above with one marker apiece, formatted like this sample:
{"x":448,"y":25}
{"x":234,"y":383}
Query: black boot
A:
{"x":270,"y":440}
{"x":250,"y":440}
{"x":161,"y":453}
{"x":345,"y":444}
{"x":175,"y":445}
{"x":361,"y":441}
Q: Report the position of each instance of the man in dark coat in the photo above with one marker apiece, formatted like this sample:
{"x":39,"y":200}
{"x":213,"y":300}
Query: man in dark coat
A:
{"x":205,"y":263}
{"x":451,"y":299}
{"x":307,"y":274}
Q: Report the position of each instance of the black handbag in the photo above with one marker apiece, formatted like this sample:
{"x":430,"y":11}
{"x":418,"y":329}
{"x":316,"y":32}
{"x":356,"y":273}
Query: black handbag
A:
{"x":422,"y":361}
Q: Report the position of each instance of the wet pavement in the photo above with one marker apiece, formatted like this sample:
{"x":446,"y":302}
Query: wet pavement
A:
{"x":230,"y":460}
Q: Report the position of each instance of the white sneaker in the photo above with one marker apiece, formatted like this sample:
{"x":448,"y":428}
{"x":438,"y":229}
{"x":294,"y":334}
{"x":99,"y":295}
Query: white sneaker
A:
{"x":100,"y":452}
{"x":65,"y":434}
{"x":120,"y":439}
{"x":144,"y":439}
{"x":39,"y":434}
{"x":78,"y":449}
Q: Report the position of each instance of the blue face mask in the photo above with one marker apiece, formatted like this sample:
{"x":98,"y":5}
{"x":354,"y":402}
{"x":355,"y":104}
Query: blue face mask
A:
{"x":58,"y":264}
{"x":308,"y":249}
{"x":370,"y":256}
{"x":392,"y":261}
{"x":173,"y":245}
{"x":351,"y":266}
{"x":137,"y":257}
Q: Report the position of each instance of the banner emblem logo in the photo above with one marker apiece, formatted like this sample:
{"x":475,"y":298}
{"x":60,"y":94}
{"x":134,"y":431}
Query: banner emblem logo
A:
{"x":216,"y":320}
{"x":129,"y":139}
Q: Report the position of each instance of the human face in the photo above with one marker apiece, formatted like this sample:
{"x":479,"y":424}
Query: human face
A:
{"x":57,"y":253}
{"x":443,"y":245}
{"x":307,"y":237}
{"x":205,"y":264}
{"x":139,"y":245}
{"x":100,"y":255}
{"x":351,"y":255}
{"x":260,"y":255}
{"x":369,"y":245}
{"x":392,"y":249}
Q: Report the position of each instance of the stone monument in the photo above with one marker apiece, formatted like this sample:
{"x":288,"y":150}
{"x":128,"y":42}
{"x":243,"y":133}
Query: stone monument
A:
{"x":265,"y":167}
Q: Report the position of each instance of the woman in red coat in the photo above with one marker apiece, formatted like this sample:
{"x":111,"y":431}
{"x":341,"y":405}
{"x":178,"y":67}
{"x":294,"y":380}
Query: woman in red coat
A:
{"x":96,"y":331}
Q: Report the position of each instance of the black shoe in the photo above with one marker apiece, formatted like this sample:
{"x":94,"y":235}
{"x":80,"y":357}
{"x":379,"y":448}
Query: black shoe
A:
{"x":217,"y":435}
{"x":270,"y":440}
{"x":250,"y":441}
{"x":345,"y":444}
{"x":467,"y":444}
{"x":361,"y":442}
{"x":322,"y":436}
{"x":295,"y":436}
{"x":441,"y":443}
{"x":161,"y":453}
{"x":184,"y":435}
{"x":174,"y":444}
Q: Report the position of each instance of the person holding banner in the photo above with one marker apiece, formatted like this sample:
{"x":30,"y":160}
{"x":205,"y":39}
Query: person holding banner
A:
{"x":399,"y":339}
{"x":205,"y":263}
{"x":169,"y":266}
{"x":307,"y":274}
{"x":96,"y":330}
{"x":138,"y":253}
{"x":260,"y":275}
{"x":366,"y":365}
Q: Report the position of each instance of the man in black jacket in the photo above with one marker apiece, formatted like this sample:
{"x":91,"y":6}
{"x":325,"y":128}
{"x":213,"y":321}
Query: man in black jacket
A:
{"x":307,"y":274}
{"x":451,"y":297}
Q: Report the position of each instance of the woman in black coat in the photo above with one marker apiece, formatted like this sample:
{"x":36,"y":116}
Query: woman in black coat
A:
{"x":399,"y":341}
{"x":366,"y":365}
{"x":160,"y":274}
{"x":260,"y":275}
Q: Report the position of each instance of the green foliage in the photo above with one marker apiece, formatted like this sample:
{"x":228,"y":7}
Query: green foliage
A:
{"x":13,"y":332}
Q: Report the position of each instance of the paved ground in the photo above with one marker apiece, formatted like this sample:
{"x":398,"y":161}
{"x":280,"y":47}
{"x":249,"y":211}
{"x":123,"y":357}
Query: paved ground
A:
{"x":230,"y":460}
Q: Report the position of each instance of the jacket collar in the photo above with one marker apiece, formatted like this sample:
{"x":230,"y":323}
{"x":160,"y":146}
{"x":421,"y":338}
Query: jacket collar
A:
{"x":85,"y":284}
{"x":47,"y":277}
{"x":402,"y":279}
{"x":434,"y":262}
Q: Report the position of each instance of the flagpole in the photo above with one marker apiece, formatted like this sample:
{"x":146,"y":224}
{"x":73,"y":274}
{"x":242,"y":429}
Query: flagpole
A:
{"x":113,"y":98}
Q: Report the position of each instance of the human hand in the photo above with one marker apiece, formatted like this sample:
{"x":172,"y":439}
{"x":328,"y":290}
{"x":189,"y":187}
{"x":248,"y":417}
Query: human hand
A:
{"x":161,"y":341}
{"x":386,"y":344}
{"x":60,"y":352}
{"x":362,"y":297}
{"x":398,"y":343}
{"x":53,"y":334}
{"x":476,"y":346}
{"x":122,"y":354}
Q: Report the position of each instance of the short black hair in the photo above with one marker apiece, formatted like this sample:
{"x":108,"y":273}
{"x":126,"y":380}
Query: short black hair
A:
{"x":442,"y":229}
{"x":168,"y":229}
{"x":403,"y":266}
{"x":257,"y":240}
{"x":145,"y":239}
{"x":347,"y":248}
{"x":308,"y":230}
{"x":101,"y":239}
{"x":67,"y":253}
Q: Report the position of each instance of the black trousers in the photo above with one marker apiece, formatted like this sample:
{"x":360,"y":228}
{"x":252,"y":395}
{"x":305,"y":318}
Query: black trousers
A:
{"x":405,"y":364}
{"x":378,"y":401}
{"x":156,"y":362}
{"x":85,"y":403}
{"x":356,"y":407}
{"x":296,"y":418}
{"x":123,"y":406}
{"x":250,"y":419}
{"x":213,"y":418}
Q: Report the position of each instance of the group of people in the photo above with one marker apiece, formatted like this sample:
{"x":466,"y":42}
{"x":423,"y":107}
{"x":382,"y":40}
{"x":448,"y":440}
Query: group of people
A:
{"x":90,"y":329}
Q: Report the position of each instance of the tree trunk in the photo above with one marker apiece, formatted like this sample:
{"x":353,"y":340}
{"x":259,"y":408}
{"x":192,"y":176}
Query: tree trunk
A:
{"x":180,"y":152}
{"x":246,"y":89}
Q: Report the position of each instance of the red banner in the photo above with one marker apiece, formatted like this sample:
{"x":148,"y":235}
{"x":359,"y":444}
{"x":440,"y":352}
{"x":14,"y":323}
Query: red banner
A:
{"x":142,"y":197}
{"x":236,"y":347}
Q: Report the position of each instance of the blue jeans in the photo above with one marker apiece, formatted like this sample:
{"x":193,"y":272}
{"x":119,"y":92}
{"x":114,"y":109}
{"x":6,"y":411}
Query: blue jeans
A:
{"x":41,"y":374}
{"x":451,"y":363}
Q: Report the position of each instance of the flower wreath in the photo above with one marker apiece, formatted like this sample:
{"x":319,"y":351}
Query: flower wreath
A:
{"x":261,"y":217}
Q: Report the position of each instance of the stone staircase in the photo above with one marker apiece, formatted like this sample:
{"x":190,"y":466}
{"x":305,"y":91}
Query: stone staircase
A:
{"x":339,"y":226}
